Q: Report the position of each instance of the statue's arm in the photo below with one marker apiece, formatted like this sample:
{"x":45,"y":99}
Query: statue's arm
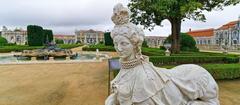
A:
{"x":111,"y":100}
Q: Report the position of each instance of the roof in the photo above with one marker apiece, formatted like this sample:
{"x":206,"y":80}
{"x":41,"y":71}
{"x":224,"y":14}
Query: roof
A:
{"x":201,"y":33}
{"x":59,"y":36}
{"x":90,"y":31}
{"x":155,"y":37}
{"x":228,"y":25}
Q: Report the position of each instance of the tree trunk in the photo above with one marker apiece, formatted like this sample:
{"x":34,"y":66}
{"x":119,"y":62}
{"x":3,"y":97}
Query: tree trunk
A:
{"x":176,"y":29}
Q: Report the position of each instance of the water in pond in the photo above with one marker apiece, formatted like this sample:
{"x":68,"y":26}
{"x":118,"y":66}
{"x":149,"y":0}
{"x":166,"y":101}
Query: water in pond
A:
{"x":10,"y":58}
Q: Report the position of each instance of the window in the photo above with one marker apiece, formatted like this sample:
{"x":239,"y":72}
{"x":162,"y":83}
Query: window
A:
{"x":209,"y":41}
{"x":234,"y":41}
{"x":205,"y":41}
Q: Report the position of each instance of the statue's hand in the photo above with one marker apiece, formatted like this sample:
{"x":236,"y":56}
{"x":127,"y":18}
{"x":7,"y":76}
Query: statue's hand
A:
{"x":111,"y":100}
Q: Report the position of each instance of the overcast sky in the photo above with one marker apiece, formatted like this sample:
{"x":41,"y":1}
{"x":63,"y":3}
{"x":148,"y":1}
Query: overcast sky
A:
{"x":65,"y":16}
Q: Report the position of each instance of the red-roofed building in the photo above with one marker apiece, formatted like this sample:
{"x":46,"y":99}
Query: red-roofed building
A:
{"x":227,"y":35}
{"x":202,"y":37}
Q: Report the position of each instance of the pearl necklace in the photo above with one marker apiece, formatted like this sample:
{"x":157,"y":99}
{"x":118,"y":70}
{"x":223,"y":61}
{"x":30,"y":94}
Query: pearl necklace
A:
{"x":130,"y":64}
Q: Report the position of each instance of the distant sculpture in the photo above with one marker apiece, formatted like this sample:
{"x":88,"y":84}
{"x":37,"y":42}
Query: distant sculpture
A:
{"x":140,"y":83}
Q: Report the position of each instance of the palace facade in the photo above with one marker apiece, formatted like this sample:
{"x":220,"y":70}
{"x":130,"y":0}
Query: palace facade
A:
{"x":155,"y":41}
{"x":18,"y":36}
{"x":67,"y":39}
{"x":228,"y":36}
{"x":89,"y":36}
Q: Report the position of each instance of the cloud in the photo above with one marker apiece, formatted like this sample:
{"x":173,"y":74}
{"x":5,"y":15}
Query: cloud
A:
{"x":65,"y":16}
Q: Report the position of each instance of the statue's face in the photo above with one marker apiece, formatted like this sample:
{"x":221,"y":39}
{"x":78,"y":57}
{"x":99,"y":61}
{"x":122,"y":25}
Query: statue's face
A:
{"x":124,"y":47}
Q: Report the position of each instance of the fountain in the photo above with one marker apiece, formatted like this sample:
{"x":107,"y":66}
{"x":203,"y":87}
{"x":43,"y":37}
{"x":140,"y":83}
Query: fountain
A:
{"x":49,"y":51}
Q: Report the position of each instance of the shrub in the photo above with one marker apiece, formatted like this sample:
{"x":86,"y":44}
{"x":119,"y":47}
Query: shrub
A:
{"x":224,"y":71}
{"x":220,"y":71}
{"x":69,"y":46}
{"x":35,"y":35}
{"x":231,"y":59}
{"x":10,"y":44}
{"x":144,"y":44}
{"x":174,"y":60}
{"x":3,"y":41}
{"x":47,"y":36}
{"x":108,"y":40}
{"x":187,"y":43}
{"x":152,"y":51}
{"x":59,"y":41}
{"x":5,"y":49}
{"x":100,"y":47}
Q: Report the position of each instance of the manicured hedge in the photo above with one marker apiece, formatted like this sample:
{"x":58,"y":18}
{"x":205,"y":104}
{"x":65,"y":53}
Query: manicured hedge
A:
{"x":174,"y":60}
{"x":5,"y":49}
{"x":220,"y":71}
{"x":100,"y":47}
{"x":224,"y":71}
{"x":152,"y":51}
{"x":68,"y":46}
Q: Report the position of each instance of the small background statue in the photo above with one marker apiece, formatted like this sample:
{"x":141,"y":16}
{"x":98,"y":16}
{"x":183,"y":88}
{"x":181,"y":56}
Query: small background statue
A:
{"x":141,"y":83}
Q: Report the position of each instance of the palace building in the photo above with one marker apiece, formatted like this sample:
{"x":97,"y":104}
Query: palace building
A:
{"x":18,"y":36}
{"x":155,"y":41}
{"x":67,"y":39}
{"x":89,"y":36}
{"x":228,"y":35}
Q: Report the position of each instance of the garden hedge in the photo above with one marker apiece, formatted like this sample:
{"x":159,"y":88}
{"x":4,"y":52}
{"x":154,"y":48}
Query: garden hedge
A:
{"x":218,"y":71}
{"x":174,"y":60}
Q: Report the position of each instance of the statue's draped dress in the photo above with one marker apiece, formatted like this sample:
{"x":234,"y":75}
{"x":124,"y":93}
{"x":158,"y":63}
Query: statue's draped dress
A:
{"x":140,"y":83}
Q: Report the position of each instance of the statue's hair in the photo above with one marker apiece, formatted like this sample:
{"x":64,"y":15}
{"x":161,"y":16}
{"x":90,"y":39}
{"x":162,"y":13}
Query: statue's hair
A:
{"x":121,"y":15}
{"x":132,"y":32}
{"x":124,"y":28}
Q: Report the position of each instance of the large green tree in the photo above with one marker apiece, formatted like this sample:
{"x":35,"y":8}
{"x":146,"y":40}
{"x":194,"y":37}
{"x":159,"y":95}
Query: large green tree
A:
{"x":35,"y":35}
{"x":150,"y":13}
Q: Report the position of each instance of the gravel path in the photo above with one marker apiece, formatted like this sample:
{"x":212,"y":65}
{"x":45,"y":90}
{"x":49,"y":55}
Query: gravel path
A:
{"x":72,"y":84}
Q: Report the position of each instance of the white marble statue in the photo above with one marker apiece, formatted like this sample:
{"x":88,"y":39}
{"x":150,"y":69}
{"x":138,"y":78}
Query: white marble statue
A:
{"x":140,"y":83}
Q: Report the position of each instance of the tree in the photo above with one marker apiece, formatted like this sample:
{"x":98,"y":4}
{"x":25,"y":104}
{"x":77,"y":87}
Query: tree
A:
{"x":47,"y":36}
{"x":35,"y":35}
{"x":3,"y":41}
{"x":107,"y":38}
{"x":150,"y":13}
{"x":187,"y":43}
{"x":59,"y":41}
{"x":144,"y":44}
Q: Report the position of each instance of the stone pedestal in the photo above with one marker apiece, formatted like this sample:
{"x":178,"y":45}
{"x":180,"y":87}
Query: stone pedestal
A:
{"x":167,"y":53}
{"x":68,"y":58}
{"x":97,"y":54}
{"x":33,"y":58}
{"x":51,"y":59}
{"x":225,"y":52}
